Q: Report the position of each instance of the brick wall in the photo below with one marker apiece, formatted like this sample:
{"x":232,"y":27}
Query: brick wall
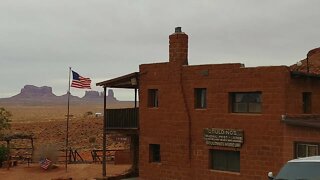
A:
{"x":168,"y":125}
{"x":178,"y":127}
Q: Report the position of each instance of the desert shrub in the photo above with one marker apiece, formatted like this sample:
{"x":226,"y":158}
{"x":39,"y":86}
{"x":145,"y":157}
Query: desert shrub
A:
{"x":92,"y":141}
{"x":49,"y":151}
{"x":4,"y":151}
{"x":4,"y":119}
{"x":88,"y":114}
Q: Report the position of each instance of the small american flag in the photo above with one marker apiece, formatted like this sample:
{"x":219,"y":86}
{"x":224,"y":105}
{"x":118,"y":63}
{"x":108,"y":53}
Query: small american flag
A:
{"x":45,"y":163}
{"x":80,"y":82}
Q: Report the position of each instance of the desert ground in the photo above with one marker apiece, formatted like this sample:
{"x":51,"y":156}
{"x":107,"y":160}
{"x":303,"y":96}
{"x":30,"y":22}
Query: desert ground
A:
{"x":75,"y":171}
{"x":47,"y":124}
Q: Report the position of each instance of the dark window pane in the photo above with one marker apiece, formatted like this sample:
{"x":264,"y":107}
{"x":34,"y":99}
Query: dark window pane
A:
{"x":312,"y":150}
{"x":306,"y":149}
{"x":246,"y":102}
{"x":234,"y":161}
{"x":225,"y":160}
{"x":153,"y":98}
{"x":306,"y":98}
{"x":219,"y":160}
{"x":240,"y":107}
{"x":301,"y":150}
{"x":254,"y":107}
{"x":154,"y":153}
{"x":200,"y":96}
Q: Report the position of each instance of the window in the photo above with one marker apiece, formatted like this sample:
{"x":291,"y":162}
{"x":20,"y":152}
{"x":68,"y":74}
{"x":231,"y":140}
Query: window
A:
{"x":306,"y":100}
{"x":153,"y":98}
{"x":224,"y":160}
{"x":306,"y":149}
{"x":200,"y":97}
{"x":248,"y":102}
{"x":154,"y":153}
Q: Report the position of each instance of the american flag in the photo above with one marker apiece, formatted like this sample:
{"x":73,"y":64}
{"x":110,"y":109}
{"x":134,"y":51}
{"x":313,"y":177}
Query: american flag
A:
{"x":45,"y":163}
{"x":80,"y":82}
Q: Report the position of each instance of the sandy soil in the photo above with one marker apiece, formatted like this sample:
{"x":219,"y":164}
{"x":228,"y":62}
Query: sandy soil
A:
{"x":48,"y":126}
{"x":75,"y":171}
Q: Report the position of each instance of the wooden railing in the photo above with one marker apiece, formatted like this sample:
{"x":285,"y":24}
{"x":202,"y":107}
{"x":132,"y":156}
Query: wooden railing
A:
{"x":73,"y":156}
{"x":127,"y":118}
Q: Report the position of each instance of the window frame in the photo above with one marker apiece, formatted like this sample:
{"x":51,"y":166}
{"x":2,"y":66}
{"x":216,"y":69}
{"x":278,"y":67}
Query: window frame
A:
{"x":308,"y":144}
{"x":232,"y":102}
{"x":153,"y":98}
{"x":200,"y":98}
{"x":154,"y":153}
{"x":225,"y":159}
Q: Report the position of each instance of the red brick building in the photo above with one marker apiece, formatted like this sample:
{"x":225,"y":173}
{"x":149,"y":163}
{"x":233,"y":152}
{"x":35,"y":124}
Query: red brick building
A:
{"x":223,"y":121}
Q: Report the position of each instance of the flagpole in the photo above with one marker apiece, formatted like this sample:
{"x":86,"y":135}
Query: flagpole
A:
{"x":68,"y":115}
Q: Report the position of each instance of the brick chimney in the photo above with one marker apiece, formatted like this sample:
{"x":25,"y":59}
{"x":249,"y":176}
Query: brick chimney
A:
{"x":178,"y":47}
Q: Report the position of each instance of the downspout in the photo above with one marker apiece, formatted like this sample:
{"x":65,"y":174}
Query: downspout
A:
{"x":188,"y":115}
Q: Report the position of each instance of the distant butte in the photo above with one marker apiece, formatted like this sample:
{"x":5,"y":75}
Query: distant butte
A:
{"x":33,"y":95}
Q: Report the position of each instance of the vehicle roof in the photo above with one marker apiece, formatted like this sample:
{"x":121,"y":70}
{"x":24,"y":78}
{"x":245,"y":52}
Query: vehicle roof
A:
{"x":306,"y":159}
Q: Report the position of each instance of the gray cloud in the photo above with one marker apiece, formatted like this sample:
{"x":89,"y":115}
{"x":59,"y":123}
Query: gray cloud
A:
{"x":40,"y":39}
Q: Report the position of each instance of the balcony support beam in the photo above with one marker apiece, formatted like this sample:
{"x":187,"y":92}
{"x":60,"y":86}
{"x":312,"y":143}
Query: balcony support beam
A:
{"x":104,"y":159}
{"x":135,"y":98}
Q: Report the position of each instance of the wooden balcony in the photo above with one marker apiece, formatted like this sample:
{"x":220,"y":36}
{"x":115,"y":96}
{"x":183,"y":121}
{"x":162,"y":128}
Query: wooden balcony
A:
{"x":122,"y":119}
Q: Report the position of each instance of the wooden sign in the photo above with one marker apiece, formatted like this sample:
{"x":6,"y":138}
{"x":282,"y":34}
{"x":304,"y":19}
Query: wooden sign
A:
{"x":223,"y":137}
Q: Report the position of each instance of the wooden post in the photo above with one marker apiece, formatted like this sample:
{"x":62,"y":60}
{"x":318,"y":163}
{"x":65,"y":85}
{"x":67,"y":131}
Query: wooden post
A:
{"x":9,"y":156}
{"x":134,"y":148}
{"x":104,"y":143}
{"x":32,"y":151}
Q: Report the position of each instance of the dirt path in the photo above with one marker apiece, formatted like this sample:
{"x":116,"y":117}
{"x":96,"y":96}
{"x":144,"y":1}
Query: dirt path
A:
{"x":75,"y":171}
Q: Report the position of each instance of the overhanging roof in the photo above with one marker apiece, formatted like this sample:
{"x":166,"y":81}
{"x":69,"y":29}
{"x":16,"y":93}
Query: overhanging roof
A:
{"x":129,"y":81}
{"x":9,"y":137}
{"x":305,"y":74}
{"x":303,"y":120}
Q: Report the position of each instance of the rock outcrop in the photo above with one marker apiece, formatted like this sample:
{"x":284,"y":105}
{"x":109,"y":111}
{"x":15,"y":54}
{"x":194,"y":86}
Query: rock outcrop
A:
{"x":92,"y":95}
{"x":30,"y":91}
{"x":98,"y":96}
{"x":34,"y":95}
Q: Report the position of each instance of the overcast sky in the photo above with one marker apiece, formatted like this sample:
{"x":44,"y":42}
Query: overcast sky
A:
{"x":103,"y":39}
